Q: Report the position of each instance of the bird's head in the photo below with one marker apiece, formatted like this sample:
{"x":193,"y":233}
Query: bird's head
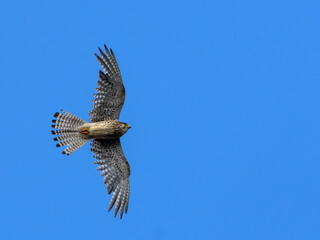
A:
{"x":124,"y":127}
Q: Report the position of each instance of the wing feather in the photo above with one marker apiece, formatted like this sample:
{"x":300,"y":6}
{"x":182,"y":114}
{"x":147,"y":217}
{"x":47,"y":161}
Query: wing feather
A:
{"x":110,"y":95}
{"x":116,"y":171}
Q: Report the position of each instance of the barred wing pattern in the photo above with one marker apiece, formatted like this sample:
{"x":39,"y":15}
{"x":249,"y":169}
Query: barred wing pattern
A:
{"x":116,"y":171}
{"x":110,"y":95}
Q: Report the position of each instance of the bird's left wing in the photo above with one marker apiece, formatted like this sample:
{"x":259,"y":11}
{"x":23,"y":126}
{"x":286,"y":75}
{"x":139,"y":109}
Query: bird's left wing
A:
{"x":110,"y":95}
{"x":116,"y":171}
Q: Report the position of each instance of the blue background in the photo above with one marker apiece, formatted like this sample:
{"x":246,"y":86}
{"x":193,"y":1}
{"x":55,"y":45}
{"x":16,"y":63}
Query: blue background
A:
{"x":223,"y":100}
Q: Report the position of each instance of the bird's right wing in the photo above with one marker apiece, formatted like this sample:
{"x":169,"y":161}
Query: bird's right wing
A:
{"x":110,"y":95}
{"x":116,"y":171}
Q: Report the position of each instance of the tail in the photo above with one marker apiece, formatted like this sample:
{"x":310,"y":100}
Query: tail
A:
{"x":67,"y":127}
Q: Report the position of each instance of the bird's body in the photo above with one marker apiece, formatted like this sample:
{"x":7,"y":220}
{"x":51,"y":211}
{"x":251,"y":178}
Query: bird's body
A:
{"x":104,"y":131}
{"x":110,"y":129}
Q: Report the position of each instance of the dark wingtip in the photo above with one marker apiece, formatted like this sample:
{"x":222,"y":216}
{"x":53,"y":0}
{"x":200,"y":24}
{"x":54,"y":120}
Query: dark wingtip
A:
{"x":57,"y":145}
{"x":56,"y":114}
{"x":55,"y":139}
{"x":68,"y":154}
{"x":53,"y":132}
{"x":54,"y":121}
{"x":63,"y":152}
{"x":106,"y":48}
{"x":53,"y":126}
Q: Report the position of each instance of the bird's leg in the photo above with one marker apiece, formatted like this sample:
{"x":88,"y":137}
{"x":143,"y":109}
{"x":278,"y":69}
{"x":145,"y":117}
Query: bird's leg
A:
{"x":84,"y":131}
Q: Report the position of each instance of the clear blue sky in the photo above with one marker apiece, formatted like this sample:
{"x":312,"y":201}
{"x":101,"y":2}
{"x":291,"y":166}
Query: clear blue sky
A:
{"x":223,"y":100}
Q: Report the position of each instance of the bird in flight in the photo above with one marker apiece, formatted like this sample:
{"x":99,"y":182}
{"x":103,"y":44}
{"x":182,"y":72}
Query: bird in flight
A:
{"x":104,"y":129}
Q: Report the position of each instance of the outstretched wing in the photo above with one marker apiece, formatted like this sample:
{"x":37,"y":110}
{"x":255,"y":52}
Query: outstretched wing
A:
{"x":110,"y":95}
{"x":116,"y":171}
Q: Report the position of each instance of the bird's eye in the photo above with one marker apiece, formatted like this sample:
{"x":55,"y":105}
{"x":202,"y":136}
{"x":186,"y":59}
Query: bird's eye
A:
{"x":123,"y":125}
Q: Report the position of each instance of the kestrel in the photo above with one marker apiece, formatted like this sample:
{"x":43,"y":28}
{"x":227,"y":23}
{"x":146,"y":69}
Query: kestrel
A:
{"x":104,"y":129}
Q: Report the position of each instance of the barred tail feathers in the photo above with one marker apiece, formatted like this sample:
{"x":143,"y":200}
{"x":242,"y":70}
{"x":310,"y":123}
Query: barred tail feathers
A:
{"x":66,"y":127}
